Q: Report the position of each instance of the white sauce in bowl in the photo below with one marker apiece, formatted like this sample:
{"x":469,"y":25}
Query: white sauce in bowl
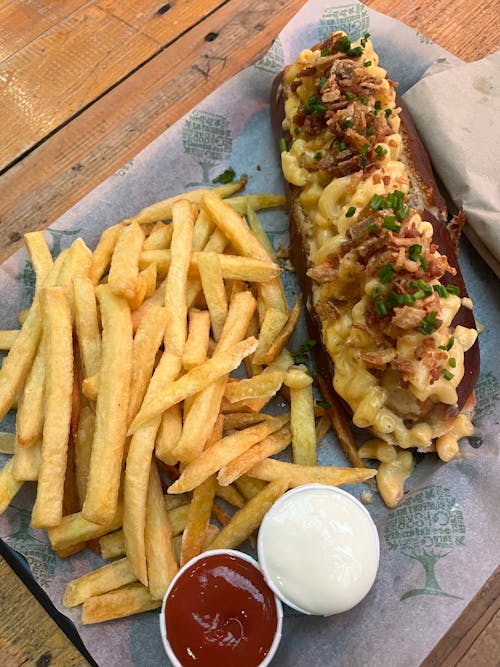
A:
{"x":319,"y":550}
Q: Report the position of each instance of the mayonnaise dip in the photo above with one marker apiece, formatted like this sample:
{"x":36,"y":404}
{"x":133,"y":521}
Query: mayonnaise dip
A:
{"x":319,"y":549}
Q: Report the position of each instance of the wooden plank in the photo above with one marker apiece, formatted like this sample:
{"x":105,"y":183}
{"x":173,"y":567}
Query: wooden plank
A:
{"x":28,"y":635}
{"x":117,"y":126}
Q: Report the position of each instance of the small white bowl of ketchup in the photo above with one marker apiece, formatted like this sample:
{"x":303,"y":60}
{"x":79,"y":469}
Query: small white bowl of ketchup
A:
{"x":219,"y":611}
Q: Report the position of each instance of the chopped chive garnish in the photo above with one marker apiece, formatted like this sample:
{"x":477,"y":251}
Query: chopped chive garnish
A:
{"x":322,"y":81}
{"x":401,"y":299}
{"x":428,"y":324}
{"x":452,"y":362}
{"x":301,"y":355}
{"x":448,"y":345}
{"x":440,"y":290}
{"x":380,"y":150}
{"x":344,"y":46}
{"x":370,"y":131}
{"x":296,"y":131}
{"x":363,"y":99}
{"x":390,"y":223}
{"x":376,"y":202}
{"x":378,"y":105}
{"x":381,"y":307}
{"x":364,"y":149}
{"x":446,"y":374}
{"x":347,"y":122}
{"x":387,"y":112}
{"x":453,"y":289}
{"x":326,"y":52}
{"x":386,"y":273}
{"x":350,"y":212}
{"x":423,"y":263}
{"x":401,"y":212}
{"x":323,"y":404}
{"x":367,"y":63}
{"x":340,"y":145}
{"x":365,"y":38}
{"x":283,"y":145}
{"x":372,"y":228}
{"x":318,"y":155}
{"x":313,"y":105}
{"x":419,"y":294}
{"x":350,"y":96}
{"x":227,"y":176}
{"x":414,"y":251}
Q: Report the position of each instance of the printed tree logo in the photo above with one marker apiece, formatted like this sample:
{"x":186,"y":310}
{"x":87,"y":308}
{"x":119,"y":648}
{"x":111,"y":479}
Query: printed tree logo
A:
{"x":207,"y":138}
{"x":273,"y":61}
{"x":29,"y":277}
{"x":426,"y":526}
{"x":352,"y":19}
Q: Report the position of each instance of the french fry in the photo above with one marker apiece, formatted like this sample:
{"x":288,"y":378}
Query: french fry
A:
{"x":391,"y":477}
{"x":103,"y":252}
{"x":272,"y":444}
{"x":285,"y":334}
{"x":86,"y":325}
{"x":104,"y":579}
{"x":200,"y":511}
{"x":378,"y":449}
{"x":249,"y":486}
{"x":7,"y":443}
{"x":237,"y":420}
{"x":271,"y":469}
{"x":257,"y":202}
{"x":322,"y":427}
{"x":216,"y":243}
{"x":210,"y":535}
{"x":112,"y":545}
{"x":194,"y":381}
{"x":90,"y":387}
{"x":221,"y":453}
{"x":111,"y":409}
{"x":169,"y":434}
{"x":125,"y":601}
{"x":302,"y":416}
{"x":196,"y":347}
{"x":162,"y":210}
{"x":29,"y":417}
{"x":258,"y":230}
{"x":26,"y":462}
{"x":156,"y":299}
{"x":230,"y":495}
{"x":71,"y":501}
{"x":147,"y":341}
{"x":8,"y":337}
{"x":175,"y":292}
{"x":160,"y":238}
{"x":74,"y":528}
{"x":9,"y":485}
{"x":177,"y":518}
{"x":340,"y":424}
{"x":214,"y":290}
{"x":76,"y":264}
{"x":148,"y":276}
{"x":58,"y":357}
{"x":248,"y":519}
{"x":124,"y":269}
{"x":160,"y":555}
{"x":273,"y":323}
{"x":259,"y":386}
{"x":220,"y":514}
{"x":40,"y":256}
{"x":83,"y":447}
{"x":203,"y":227}
{"x":137,"y":474}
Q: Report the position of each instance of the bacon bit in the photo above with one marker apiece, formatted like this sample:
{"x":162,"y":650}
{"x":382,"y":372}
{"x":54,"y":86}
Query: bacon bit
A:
{"x":408,"y":317}
{"x":381,"y":358}
{"x":324,"y":273}
{"x":386,"y":179}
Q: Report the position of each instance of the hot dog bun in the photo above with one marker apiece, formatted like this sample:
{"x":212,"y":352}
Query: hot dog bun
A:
{"x":371,"y":249}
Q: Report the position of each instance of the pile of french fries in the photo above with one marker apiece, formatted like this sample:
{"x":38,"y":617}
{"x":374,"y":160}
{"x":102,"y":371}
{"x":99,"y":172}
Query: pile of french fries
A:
{"x":128,"y":417}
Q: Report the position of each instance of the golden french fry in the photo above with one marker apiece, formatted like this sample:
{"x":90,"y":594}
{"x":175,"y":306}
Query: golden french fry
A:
{"x":340,"y":424}
{"x":137,"y":474}
{"x":160,"y":238}
{"x":83,"y":447}
{"x":217,"y":242}
{"x":111,"y":409}
{"x":200,"y":511}
{"x":257,"y":202}
{"x":272,"y":444}
{"x":221,"y":453}
{"x":101,"y":256}
{"x":58,"y":357}
{"x":162,"y":210}
{"x":124,"y":601}
{"x":273,"y":323}
{"x":256,"y":227}
{"x":378,"y":449}
{"x":271,"y":469}
{"x":220,"y":514}
{"x":248,"y":519}
{"x":137,"y":300}
{"x":74,"y":528}
{"x":249,"y":486}
{"x":175,"y":292}
{"x":214,"y":290}
{"x":160,"y":555}
{"x":230,"y":494}
{"x":90,"y":387}
{"x":169,"y":435}
{"x":124,"y":269}
{"x":234,"y":227}
{"x":147,"y":341}
{"x":148,"y":276}
{"x":203,"y":228}
{"x":26,"y":467}
{"x":322,"y":428}
{"x":302,"y":417}
{"x":40,"y":256}
{"x":177,"y":518}
{"x":194,"y":381}
{"x":76,"y":264}
{"x":210,"y":535}
{"x":259,"y":386}
{"x":86,"y":325}
{"x":237,"y":420}
{"x":9,"y":485}
{"x":104,"y":579}
{"x":172,"y":502}
{"x":112,"y":545}
{"x":391,"y":477}
{"x":156,"y":299}
{"x":8,"y":337}
{"x":196,"y":347}
{"x":272,"y":294}
{"x":29,"y":418}
{"x":285,"y":334}
{"x":7,"y":443}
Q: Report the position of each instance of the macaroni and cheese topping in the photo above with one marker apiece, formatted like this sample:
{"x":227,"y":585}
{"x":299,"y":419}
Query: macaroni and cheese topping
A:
{"x":382,"y":290}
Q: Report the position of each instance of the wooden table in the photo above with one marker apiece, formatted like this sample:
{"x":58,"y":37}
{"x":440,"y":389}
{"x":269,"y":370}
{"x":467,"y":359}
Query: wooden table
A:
{"x":84,"y":86}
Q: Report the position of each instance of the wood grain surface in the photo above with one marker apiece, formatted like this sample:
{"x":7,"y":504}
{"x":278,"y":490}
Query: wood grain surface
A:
{"x":84,"y":86}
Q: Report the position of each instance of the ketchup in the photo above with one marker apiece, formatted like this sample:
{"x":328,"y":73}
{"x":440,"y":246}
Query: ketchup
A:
{"x":220,"y":612}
